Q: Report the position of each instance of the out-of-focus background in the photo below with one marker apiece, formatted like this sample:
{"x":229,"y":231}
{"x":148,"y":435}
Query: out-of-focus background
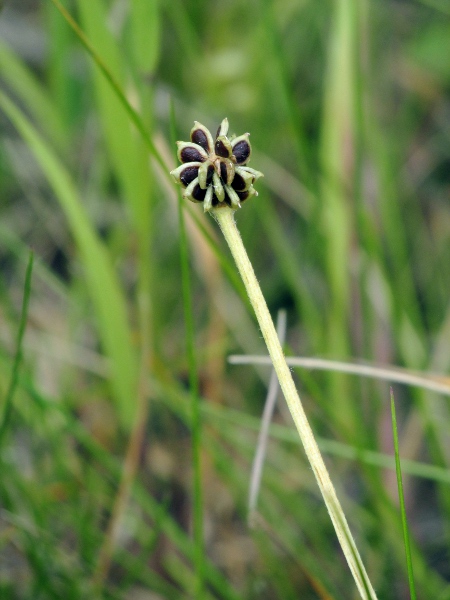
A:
{"x":125,"y":349}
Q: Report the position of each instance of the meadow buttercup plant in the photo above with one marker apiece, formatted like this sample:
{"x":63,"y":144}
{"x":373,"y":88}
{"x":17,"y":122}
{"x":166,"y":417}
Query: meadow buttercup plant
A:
{"x":216,"y":173}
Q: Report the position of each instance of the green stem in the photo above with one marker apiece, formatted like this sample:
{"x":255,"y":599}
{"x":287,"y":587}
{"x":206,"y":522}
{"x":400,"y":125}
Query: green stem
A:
{"x":225,"y":219}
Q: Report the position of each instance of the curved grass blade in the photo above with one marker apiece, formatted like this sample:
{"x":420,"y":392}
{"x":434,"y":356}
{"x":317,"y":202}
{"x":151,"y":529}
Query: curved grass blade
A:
{"x":23,"y":83}
{"x":401,"y":497}
{"x":101,"y":279}
{"x":435,"y":383}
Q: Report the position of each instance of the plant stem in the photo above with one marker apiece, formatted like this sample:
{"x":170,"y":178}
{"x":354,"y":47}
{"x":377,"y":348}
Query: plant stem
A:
{"x":401,"y":496}
{"x":225,"y":219}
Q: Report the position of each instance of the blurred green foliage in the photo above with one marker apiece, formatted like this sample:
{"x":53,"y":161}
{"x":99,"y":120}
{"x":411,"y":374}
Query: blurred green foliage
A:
{"x":347,"y":104}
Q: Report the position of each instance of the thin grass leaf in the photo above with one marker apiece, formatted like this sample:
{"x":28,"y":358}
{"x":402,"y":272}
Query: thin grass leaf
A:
{"x":196,"y":423}
{"x":213,"y":414}
{"x":283,"y":88}
{"x":433,"y":382}
{"x":145,"y":27}
{"x":63,"y":84}
{"x":398,"y":469}
{"x":33,"y":95}
{"x":8,"y":403}
{"x":190,"y":44}
{"x":137,"y":569}
{"x":337,"y":135}
{"x":127,"y":149}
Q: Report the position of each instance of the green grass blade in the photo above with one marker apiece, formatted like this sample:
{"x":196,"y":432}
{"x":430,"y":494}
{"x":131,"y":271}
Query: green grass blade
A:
{"x":145,"y":29}
{"x":33,"y":95}
{"x":8,"y":404}
{"x":65,"y":88}
{"x":336,"y":219}
{"x":102,"y":282}
{"x":129,"y":155}
{"x":283,"y":88}
{"x":196,"y":424}
{"x":99,"y":455}
{"x":112,"y":81}
{"x":127,"y":149}
{"x":398,"y":470}
{"x":337,"y":133}
{"x":189,"y":43}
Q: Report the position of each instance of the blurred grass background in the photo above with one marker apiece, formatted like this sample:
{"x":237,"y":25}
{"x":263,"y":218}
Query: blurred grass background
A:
{"x":348,"y":106}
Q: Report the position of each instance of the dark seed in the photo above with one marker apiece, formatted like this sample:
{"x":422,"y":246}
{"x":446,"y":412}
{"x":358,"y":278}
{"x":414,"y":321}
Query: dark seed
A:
{"x":209,"y":174}
{"x":238,"y":182}
{"x":221,"y":149}
{"x":188,"y":174}
{"x":215,"y":200}
{"x":242,"y":152}
{"x":198,"y":193}
{"x":227,"y":200}
{"x":198,"y":136}
{"x":191,"y":154}
{"x":242,"y":195}
{"x":223,"y":172}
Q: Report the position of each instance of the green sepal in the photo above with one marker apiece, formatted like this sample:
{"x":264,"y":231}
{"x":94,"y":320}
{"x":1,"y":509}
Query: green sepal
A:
{"x":187,"y":194}
{"x":222,"y":147}
{"x":256,"y":174}
{"x":203,"y":174}
{"x":223,"y":128}
{"x":251,"y":192}
{"x":229,"y":166}
{"x":234,"y":198}
{"x":207,"y":203}
{"x":247,"y":177}
{"x":218,"y":187}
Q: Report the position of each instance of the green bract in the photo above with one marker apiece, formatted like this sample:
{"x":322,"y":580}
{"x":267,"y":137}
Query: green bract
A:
{"x":215,"y":172}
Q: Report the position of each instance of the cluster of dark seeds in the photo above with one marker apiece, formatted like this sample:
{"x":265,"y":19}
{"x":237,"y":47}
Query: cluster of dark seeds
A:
{"x":215,"y":172}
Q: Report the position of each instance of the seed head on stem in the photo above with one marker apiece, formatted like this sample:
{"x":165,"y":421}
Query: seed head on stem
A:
{"x":216,"y":173}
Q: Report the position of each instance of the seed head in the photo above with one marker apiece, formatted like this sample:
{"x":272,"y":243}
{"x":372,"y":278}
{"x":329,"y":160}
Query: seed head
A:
{"x":215,"y":172}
